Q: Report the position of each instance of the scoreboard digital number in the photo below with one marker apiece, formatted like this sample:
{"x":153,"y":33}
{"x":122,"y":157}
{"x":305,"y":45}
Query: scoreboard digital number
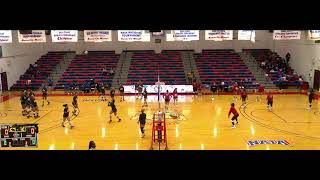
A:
{"x":19,"y":135}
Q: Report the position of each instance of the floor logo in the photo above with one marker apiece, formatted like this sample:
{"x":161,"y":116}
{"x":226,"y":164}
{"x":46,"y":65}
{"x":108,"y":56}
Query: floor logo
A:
{"x":252,"y":143}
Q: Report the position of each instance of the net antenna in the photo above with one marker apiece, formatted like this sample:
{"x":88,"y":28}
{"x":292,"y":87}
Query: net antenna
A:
{"x":159,"y":83}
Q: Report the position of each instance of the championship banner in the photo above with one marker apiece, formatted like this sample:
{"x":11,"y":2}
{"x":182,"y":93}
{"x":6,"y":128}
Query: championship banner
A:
{"x":314,"y":34}
{"x":5,"y":36}
{"x":64,"y":35}
{"x":133,"y":35}
{"x":286,"y":35}
{"x":37,"y":36}
{"x":218,"y":35}
{"x":249,"y":35}
{"x":163,"y":88}
{"x":97,"y":35}
{"x":183,"y":35}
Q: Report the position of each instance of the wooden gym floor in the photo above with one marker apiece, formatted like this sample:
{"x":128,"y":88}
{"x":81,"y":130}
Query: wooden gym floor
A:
{"x":203,"y":123}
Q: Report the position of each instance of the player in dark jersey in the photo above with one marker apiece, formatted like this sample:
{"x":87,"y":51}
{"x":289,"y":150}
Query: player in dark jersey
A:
{"x":175,"y":96}
{"x":66,"y":116}
{"x":113,"y":110}
{"x":112,"y":93}
{"x":35,"y":108}
{"x":121,"y":90}
{"x":213,"y":89}
{"x":75,"y":105}
{"x":260,"y":92}
{"x":167,"y":97}
{"x":23,"y":101}
{"x":244,"y":97}
{"x":29,"y":98}
{"x":269,"y":101}
{"x":44,"y":91}
{"x":142,"y":121}
{"x":235,"y":115}
{"x":140,"y":87}
{"x":310,"y":97}
{"x":145,"y":96}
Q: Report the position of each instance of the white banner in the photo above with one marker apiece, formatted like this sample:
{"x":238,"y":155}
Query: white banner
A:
{"x":183,"y":35}
{"x":133,"y":35}
{"x":97,"y":35}
{"x":37,"y":36}
{"x":286,"y":35}
{"x":64,"y":35}
{"x":218,"y":35}
{"x":249,"y":35}
{"x":314,"y":34}
{"x":5,"y":36}
{"x":163,"y":89}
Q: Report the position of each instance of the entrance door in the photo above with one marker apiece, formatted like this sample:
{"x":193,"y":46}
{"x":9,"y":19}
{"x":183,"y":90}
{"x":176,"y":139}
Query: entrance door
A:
{"x":316,"y":81}
{"x":4,"y":81}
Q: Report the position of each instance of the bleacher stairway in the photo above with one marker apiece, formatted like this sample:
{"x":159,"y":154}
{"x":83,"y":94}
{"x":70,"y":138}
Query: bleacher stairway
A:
{"x":121,"y":72}
{"x":61,"y":68}
{"x":251,"y":63}
{"x":190,"y":64}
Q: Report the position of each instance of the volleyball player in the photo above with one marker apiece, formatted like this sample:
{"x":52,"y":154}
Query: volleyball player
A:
{"x":175,"y":96}
{"x":102,"y":92}
{"x":167,"y":97}
{"x":235,"y":90}
{"x":213,"y":89}
{"x":260,"y":92}
{"x":35,"y":108}
{"x":244,"y":97}
{"x":66,"y":116}
{"x":142,"y":121}
{"x":23,"y":101}
{"x":75,"y":105}
{"x":145,"y":96}
{"x":112,"y":93}
{"x":28,"y":104}
{"x":269,"y":101}
{"x":235,"y":115}
{"x":121,"y":90}
{"x":113,"y":110}
{"x":310,"y":96}
{"x":195,"y":88}
{"x":140,"y":87}
{"x":44,"y":91}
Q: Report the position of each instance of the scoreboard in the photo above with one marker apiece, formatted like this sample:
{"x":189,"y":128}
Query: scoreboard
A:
{"x":19,"y":135}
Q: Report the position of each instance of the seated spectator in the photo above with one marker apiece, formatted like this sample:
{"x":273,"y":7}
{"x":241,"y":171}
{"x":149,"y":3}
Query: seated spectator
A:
{"x":104,"y":71}
{"x":111,"y":72}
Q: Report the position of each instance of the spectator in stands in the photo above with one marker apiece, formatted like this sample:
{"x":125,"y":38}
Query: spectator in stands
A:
{"x":111,"y":72}
{"x":288,"y":56}
{"x":104,"y":71}
{"x":189,"y":75}
{"x":221,"y":86}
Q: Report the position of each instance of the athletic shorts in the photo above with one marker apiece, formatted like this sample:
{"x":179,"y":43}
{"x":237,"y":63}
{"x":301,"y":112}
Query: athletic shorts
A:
{"x":75,"y":105}
{"x":166,"y":101}
{"x":310,"y":101}
{"x":113,"y":110}
{"x":235,"y":117}
{"x":270,"y":103}
{"x":44,"y":95}
{"x":195,"y":89}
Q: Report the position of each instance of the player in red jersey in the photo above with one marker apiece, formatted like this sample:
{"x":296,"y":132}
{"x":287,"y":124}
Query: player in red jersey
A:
{"x":269,"y":101}
{"x":235,"y":90}
{"x":244,"y":97}
{"x":235,"y":115}
{"x":175,"y":96}
{"x":260,"y":92}
{"x":167,"y":97}
{"x":195,"y":88}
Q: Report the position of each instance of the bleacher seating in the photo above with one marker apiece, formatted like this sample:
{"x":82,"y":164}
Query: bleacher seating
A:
{"x":84,"y":67}
{"x":144,"y":67}
{"x":222,"y":66}
{"x":259,"y":55}
{"x":45,"y":65}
